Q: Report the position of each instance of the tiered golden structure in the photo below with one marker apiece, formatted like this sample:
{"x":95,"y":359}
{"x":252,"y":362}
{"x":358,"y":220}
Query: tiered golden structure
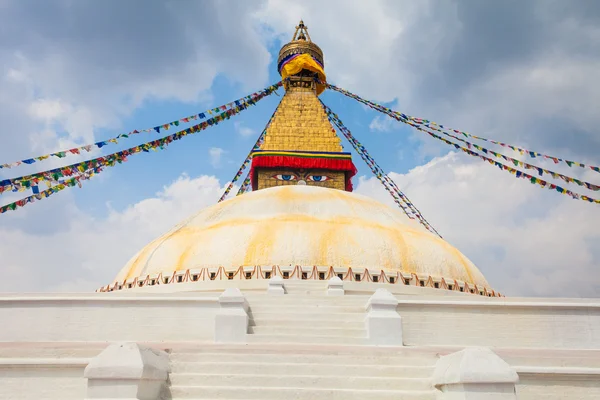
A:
{"x":300,"y":145}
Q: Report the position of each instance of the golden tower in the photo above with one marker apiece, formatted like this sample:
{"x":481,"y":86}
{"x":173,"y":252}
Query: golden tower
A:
{"x":300,"y":145}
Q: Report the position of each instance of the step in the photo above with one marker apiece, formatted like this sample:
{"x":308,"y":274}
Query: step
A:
{"x":293,"y":369}
{"x":307,"y":315}
{"x":304,"y":339}
{"x":299,"y":308}
{"x":303,"y":323}
{"x":308,"y":301}
{"x":308,"y":358}
{"x":308,"y":330}
{"x":295,"y":393}
{"x":308,"y":381}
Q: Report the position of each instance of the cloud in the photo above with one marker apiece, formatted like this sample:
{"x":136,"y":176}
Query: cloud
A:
{"x":526,"y":240}
{"x":381,"y":124}
{"x":527,"y":74}
{"x":243,"y":130}
{"x":83,"y":252}
{"x":215,"y":154}
{"x":75,"y":74}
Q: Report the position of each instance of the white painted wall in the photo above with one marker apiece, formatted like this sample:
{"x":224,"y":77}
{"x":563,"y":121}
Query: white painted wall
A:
{"x":100,"y":317}
{"x":516,"y":323}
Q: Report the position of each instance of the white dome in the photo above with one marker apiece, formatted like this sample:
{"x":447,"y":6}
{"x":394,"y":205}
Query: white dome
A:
{"x":306,"y":226}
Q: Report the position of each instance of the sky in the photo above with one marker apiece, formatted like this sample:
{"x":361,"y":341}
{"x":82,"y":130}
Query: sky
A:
{"x":524,"y":73}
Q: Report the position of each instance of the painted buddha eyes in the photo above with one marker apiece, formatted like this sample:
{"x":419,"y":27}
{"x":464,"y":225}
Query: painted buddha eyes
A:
{"x":285,"y":177}
{"x":310,"y":178}
{"x":318,"y":178}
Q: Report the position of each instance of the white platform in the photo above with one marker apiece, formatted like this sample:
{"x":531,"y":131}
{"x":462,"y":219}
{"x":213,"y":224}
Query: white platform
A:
{"x":304,"y":344}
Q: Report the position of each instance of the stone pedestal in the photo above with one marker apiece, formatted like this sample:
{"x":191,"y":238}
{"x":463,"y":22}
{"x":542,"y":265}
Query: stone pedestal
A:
{"x":231,"y":322}
{"x":335,"y":287}
{"x":276,"y":286}
{"x":383,"y":323}
{"x":127,"y":371}
{"x":475,"y":374}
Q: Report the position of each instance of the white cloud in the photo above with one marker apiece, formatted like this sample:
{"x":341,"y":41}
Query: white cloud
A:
{"x":215,"y":154}
{"x":526,"y":240}
{"x":381,"y":124}
{"x":243,"y":130}
{"x":82,"y":252}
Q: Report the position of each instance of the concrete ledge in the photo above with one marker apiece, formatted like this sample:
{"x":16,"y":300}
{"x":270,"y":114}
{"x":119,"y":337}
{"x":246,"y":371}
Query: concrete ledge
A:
{"x":44,"y":362}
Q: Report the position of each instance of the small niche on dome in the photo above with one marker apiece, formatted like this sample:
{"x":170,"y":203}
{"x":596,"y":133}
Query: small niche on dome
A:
{"x":152,"y":282}
{"x":321,"y":276}
{"x":286,"y":275}
{"x":357,"y":277}
{"x":422,"y":283}
{"x":213,"y":275}
{"x":195,"y":277}
{"x":166,"y":280}
{"x":129,"y":286}
{"x":248,"y":275}
{"x":462,"y":289}
{"x":436,"y":285}
{"x":341,"y":276}
{"x":304,"y":275}
{"x":406,"y":281}
{"x":375,"y":279}
{"x":481,"y":293}
{"x":392,"y":280}
{"x":267,"y":275}
{"x":179,"y":279}
{"x":230,"y":275}
{"x":450,"y":287}
{"x":140,"y":283}
{"x":472,"y":290}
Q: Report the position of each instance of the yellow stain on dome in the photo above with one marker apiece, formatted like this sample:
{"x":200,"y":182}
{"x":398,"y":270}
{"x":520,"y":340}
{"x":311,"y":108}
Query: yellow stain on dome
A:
{"x":307,"y":226}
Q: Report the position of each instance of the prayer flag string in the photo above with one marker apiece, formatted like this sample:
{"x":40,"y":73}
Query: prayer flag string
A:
{"x":421,"y":121}
{"x":245,"y":185}
{"x":114,"y":140}
{"x":423,"y":127}
{"x":86,"y":169}
{"x":399,"y":198}
{"x":240,"y":171}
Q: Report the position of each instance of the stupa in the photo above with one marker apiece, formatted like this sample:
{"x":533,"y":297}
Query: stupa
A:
{"x":299,"y":289}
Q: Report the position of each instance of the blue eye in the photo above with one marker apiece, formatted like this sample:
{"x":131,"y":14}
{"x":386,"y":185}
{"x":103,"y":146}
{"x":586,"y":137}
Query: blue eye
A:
{"x":285,"y":177}
{"x":318,"y":178}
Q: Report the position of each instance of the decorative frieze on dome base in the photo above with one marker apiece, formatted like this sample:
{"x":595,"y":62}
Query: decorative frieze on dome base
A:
{"x":303,"y":273}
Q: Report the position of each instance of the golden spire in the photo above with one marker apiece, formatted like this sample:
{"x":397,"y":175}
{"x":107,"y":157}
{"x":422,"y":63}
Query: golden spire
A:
{"x":300,"y":145}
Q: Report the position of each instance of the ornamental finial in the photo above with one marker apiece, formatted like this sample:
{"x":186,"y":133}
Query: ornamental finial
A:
{"x":301,"y":32}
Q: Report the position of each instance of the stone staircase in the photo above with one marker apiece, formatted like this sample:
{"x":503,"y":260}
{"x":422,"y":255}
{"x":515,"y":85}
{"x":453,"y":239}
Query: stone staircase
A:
{"x":300,"y":318}
{"x":303,"y":345}
{"x":300,"y":372}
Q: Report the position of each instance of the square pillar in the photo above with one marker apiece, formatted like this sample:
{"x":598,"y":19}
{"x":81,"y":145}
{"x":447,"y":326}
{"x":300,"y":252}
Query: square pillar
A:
{"x":335,"y":287}
{"x":231,"y":321}
{"x":383,"y":323}
{"x":276,"y":286}
{"x":475,"y":373}
{"x":127,"y":371}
